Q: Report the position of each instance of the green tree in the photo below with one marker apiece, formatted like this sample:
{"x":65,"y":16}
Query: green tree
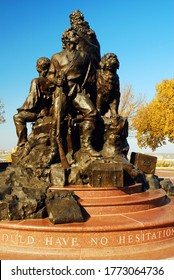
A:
{"x":1,"y":112}
{"x":154,"y":120}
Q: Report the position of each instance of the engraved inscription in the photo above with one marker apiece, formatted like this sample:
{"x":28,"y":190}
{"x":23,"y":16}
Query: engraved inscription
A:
{"x":145,"y":236}
{"x":99,"y":241}
{"x":17,"y":239}
{"x":58,"y":240}
{"x":62,"y":242}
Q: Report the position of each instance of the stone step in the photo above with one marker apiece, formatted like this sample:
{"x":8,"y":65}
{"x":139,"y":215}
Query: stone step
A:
{"x":122,"y":200}
{"x":88,"y":191}
{"x":97,"y":201}
{"x":151,"y":218}
{"x":124,"y":204}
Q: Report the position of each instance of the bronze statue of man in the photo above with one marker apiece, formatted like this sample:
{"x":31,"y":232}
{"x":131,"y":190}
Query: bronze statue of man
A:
{"x":37,"y":104}
{"x":88,"y":40}
{"x":88,"y":43}
{"x":70,"y":71}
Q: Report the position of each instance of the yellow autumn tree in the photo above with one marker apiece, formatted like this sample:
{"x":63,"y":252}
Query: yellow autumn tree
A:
{"x":154,"y":120}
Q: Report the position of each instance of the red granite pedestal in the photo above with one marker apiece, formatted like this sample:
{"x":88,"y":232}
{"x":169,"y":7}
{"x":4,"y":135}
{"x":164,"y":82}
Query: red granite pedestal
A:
{"x":124,"y":224}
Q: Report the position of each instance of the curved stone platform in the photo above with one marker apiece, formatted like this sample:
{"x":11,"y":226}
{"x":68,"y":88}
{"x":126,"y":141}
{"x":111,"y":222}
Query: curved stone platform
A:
{"x":124,"y":224}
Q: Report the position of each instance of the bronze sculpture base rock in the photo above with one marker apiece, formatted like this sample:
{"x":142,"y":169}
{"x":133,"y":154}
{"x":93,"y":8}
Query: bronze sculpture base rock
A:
{"x":63,"y":207}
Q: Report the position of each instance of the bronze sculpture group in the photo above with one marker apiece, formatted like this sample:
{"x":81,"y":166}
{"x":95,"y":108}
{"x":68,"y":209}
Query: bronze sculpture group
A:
{"x":82,"y":89}
{"x":78,"y":137}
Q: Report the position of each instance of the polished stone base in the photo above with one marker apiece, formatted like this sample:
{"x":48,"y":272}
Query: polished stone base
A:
{"x":124,"y":224}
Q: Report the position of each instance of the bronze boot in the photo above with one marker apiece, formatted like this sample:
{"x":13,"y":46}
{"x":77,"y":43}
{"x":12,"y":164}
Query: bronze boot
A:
{"x":87,"y":129}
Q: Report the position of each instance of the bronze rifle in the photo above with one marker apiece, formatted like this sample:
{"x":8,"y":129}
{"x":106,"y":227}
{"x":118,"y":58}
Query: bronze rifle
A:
{"x":58,"y":106}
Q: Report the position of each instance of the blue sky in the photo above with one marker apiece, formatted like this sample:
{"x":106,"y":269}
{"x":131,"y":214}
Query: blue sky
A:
{"x":140,"y":32}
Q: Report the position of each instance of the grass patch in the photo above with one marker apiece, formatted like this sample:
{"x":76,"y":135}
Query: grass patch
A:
{"x":165,"y":163}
